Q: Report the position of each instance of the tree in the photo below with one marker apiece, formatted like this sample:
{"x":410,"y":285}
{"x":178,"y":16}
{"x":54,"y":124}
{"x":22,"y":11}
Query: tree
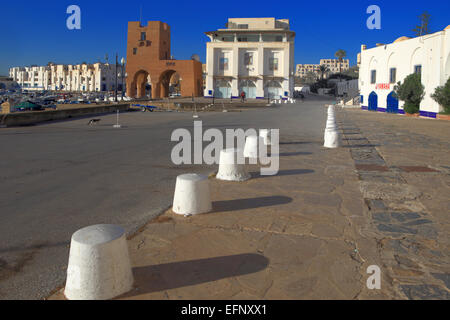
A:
{"x":323,"y":69}
{"x":340,"y":54}
{"x":411,"y":91}
{"x":310,"y":77}
{"x":442,"y":96}
{"x":352,"y":72}
{"x":422,"y":28}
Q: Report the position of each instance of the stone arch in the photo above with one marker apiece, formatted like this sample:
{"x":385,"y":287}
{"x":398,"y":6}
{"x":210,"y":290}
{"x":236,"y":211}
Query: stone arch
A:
{"x":249,"y":87}
{"x":139,"y":85}
{"x":164,"y":82}
{"x":373,"y":101}
{"x":447,"y":69}
{"x":273,"y":89}
{"x":416,"y":59}
{"x":392,"y":103}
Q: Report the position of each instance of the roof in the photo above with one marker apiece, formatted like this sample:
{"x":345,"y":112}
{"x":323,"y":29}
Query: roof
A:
{"x":402,"y":39}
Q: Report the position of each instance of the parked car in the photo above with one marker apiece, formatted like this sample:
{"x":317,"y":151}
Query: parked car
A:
{"x":28,"y":106}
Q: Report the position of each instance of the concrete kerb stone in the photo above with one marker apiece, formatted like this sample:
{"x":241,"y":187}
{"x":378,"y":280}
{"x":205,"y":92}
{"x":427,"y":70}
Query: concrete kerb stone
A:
{"x":99,"y":264}
{"x":192,"y":195}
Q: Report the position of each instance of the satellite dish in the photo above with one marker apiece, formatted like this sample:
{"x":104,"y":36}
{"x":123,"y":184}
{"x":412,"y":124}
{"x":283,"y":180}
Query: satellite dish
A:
{"x":195,"y":57}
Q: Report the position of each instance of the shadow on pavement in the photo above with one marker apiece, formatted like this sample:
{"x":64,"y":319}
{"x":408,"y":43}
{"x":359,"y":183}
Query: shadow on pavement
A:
{"x":249,"y":203}
{"x":291,"y":154}
{"x":193,"y":272}
{"x":291,"y":172}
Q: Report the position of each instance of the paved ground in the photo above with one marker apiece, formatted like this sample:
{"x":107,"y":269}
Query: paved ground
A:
{"x":311,"y":231}
{"x":59,"y":177}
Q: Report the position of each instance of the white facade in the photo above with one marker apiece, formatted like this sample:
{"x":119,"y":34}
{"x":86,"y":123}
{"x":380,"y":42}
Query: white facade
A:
{"x":83,"y":78}
{"x":253,"y":55}
{"x":385,"y":65}
{"x":333,"y":66}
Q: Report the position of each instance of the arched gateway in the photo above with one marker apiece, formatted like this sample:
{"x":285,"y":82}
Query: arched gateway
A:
{"x":149,"y":63}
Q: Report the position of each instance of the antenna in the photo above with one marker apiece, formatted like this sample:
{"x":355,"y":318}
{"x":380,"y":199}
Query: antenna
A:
{"x":140,"y":15}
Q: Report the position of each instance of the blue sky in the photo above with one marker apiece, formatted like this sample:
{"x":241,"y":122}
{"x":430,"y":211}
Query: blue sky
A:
{"x":35,"y":32}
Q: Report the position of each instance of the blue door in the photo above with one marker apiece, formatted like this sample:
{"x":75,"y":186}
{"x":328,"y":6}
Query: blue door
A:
{"x":373,"y":101}
{"x":392,"y":103}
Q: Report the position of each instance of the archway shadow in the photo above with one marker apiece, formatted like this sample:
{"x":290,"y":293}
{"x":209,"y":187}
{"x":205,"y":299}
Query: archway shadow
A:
{"x":193,"y":272}
{"x":291,"y":172}
{"x":249,"y":203}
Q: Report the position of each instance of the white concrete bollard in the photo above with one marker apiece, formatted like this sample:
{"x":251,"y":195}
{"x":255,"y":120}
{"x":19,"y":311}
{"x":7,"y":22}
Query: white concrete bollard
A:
{"x":332,"y":139}
{"x":99,"y":265}
{"x":331,"y":109}
{"x":192,"y":194}
{"x":229,"y":168}
{"x":265,"y":134}
{"x":251,"y":146}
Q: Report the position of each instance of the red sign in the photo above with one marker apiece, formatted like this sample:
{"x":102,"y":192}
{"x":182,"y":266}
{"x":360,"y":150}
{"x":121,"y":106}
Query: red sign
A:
{"x":383,"y":86}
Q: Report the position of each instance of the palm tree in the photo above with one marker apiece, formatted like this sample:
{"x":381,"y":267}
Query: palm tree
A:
{"x":340,"y":54}
{"x":323,"y":69}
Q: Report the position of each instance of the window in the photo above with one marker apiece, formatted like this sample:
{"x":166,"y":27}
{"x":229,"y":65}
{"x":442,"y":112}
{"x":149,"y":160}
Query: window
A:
{"x":392,"y":75}
{"x":248,"y":58}
{"x":143,"y":36}
{"x":418,"y":69}
{"x":242,"y":26}
{"x":223,"y":64}
{"x":373,"y":76}
{"x":134,"y":51}
{"x":273,"y":64}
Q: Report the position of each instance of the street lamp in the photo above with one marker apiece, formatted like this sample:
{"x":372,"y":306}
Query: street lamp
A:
{"x":122,"y":62}
{"x":115,"y":88}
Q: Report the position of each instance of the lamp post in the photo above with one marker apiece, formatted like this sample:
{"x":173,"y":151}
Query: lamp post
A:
{"x":115,"y":91}
{"x":122,"y":62}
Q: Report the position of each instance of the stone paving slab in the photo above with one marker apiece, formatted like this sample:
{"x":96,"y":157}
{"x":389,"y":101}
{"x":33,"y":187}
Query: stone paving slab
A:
{"x":312,"y":231}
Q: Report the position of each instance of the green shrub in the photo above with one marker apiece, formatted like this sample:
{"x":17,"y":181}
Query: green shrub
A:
{"x":442,"y":96}
{"x":410,"y":108}
{"x":411,"y":91}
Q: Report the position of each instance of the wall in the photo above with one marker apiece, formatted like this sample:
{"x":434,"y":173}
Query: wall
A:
{"x":431,"y":51}
{"x":27,"y":118}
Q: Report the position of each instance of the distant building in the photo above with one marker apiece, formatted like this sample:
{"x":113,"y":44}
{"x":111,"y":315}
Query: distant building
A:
{"x":252,"y":55}
{"x":303,"y":69}
{"x":383,"y":66}
{"x":77,"y":78}
{"x":333,"y":66}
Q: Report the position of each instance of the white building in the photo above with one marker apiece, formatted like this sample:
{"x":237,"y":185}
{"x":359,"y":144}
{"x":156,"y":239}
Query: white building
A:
{"x":333,"y":66}
{"x":385,"y":65}
{"x":82,"y":78}
{"x":253,"y":55}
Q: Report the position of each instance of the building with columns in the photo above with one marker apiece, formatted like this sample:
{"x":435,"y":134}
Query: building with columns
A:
{"x":95,"y":77}
{"x":252,"y":55}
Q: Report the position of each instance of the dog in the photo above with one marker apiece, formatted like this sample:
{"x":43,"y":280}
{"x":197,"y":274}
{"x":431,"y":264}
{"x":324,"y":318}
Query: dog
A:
{"x":93,"y":121}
